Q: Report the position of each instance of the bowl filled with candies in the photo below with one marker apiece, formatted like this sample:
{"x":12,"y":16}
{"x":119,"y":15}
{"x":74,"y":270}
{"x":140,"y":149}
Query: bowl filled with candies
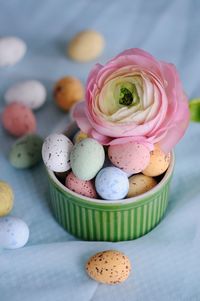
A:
{"x":110,"y":170}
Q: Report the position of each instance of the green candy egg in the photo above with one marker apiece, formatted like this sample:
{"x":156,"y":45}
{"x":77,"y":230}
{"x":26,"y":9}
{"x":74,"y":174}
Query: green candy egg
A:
{"x":26,"y":151}
{"x":87,"y":158}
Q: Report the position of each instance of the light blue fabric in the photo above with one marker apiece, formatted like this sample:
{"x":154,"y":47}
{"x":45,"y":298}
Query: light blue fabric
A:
{"x":166,"y":262}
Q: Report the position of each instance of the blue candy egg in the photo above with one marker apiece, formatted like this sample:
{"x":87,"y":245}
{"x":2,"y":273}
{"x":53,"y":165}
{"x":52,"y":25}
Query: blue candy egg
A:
{"x":112,"y":183}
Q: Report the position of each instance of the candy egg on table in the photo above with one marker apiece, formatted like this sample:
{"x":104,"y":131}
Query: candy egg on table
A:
{"x":68,"y":91}
{"x":12,"y":50}
{"x":6,"y":198}
{"x":26,"y":151}
{"x":31,"y":93}
{"x":158,"y":164}
{"x":131,"y":157}
{"x":109,"y":267}
{"x":79,"y":136}
{"x":85,"y":188}
{"x":87,"y":158}
{"x":14,"y":232}
{"x":18,"y":119}
{"x":139,"y":184}
{"x":56,"y":151}
{"x":86,"y":46}
{"x":112,"y":183}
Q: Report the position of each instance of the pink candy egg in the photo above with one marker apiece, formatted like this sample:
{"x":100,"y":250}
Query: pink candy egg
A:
{"x":131,"y":157}
{"x":18,"y":120}
{"x":85,"y":188}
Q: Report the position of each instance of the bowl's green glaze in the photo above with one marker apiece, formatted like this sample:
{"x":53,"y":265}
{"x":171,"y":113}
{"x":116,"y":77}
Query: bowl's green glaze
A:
{"x":92,"y":219}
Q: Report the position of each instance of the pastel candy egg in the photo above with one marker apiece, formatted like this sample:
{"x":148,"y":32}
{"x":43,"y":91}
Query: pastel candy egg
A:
{"x":68,"y":91}
{"x":87,"y":158}
{"x":131,"y":157}
{"x":14,"y":232}
{"x":139,"y":184}
{"x":56,"y":151}
{"x":85,"y":188}
{"x":79,"y":136}
{"x":158,"y":164}
{"x":31,"y":93}
{"x":26,"y":151}
{"x":18,"y":120}
{"x":109,"y":267}
{"x":12,"y":50}
{"x":112,"y":183}
{"x":86,"y":46}
{"x":6,"y":198}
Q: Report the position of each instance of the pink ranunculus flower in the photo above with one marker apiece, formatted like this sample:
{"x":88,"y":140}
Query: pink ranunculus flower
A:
{"x":134,"y":97}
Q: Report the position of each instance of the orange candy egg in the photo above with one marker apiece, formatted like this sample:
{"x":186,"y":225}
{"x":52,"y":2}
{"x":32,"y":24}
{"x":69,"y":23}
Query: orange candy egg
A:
{"x":68,"y":91}
{"x":158,"y":164}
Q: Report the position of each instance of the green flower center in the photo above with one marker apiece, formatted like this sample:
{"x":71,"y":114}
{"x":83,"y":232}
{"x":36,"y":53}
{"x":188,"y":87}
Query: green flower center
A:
{"x":128,"y":95}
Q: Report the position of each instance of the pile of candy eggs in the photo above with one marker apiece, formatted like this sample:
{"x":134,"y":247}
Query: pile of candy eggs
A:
{"x":108,"y":173}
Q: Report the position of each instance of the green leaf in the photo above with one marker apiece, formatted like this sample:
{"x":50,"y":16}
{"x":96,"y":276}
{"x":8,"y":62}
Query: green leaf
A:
{"x":194,"y":106}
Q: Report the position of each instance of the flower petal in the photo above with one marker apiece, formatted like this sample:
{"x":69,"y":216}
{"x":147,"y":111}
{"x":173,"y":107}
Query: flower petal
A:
{"x":81,"y":118}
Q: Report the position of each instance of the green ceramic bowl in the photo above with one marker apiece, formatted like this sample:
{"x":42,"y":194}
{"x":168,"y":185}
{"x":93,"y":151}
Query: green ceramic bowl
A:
{"x":93,"y":219}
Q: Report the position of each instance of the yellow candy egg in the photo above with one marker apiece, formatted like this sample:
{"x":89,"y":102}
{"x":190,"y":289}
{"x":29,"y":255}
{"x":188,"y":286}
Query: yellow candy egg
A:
{"x":79,"y":137}
{"x":6,"y":198}
{"x":139,"y":184}
{"x":86,"y":46}
{"x":158,"y":164}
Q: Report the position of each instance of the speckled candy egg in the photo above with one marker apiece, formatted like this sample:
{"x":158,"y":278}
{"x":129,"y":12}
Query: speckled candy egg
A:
{"x":112,"y":183}
{"x":18,"y":120}
{"x":139,"y":184}
{"x":14,"y":232}
{"x":31,"y":93}
{"x":109,"y":267}
{"x":79,"y":137}
{"x":68,"y":91}
{"x":26,"y":151}
{"x":12,"y":50}
{"x":131,"y":157}
{"x":56,"y":152}
{"x":86,"y":46}
{"x":158,"y":164}
{"x":87,"y":158}
{"x":6,"y":198}
{"x":85,"y":188}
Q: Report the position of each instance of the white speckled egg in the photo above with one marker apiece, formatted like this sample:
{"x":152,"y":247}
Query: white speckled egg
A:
{"x":56,"y":151}
{"x":12,"y":49}
{"x":112,"y":183}
{"x":14,"y":232}
{"x":87,"y":158}
{"x":31,"y":93}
